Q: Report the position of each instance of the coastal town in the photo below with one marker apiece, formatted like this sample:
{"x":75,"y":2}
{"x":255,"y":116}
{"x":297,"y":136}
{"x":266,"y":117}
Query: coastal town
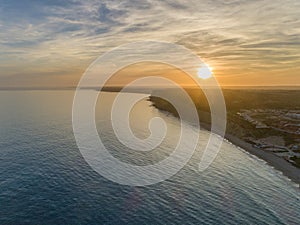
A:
{"x":285,"y":128}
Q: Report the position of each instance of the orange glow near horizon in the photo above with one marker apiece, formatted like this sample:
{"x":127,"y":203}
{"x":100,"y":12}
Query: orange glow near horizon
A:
{"x":145,"y":69}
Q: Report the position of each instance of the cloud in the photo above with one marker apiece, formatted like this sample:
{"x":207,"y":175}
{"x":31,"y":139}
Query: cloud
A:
{"x":234,"y":35}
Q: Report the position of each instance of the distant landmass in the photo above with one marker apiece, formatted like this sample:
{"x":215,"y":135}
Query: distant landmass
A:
{"x":147,"y":88}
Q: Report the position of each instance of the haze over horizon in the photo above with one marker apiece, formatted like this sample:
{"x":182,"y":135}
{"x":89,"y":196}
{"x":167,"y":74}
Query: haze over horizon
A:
{"x":246,"y":42}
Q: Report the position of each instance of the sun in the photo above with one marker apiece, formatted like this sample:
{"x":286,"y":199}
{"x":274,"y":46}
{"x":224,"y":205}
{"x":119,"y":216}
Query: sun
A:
{"x":205,"y":72}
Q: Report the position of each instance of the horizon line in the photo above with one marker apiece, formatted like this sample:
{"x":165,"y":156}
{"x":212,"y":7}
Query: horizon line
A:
{"x":144,"y":86}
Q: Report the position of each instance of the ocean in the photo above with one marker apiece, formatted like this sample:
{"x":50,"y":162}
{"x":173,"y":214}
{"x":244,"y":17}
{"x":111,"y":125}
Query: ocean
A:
{"x":44,"y":179}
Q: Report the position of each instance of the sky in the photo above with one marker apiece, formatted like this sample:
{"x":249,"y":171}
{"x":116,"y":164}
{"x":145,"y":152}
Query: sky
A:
{"x":51,"y":43}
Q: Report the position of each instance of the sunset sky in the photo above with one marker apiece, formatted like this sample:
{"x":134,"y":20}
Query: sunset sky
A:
{"x":52,"y":42}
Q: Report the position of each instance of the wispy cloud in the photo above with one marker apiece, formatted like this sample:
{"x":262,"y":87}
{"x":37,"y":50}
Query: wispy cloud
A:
{"x":241,"y":38}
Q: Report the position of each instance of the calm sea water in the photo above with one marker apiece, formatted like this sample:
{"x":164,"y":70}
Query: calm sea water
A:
{"x":45,"y":180}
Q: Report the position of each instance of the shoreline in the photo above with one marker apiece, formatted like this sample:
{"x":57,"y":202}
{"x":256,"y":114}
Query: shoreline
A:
{"x":278,"y":163}
{"x":271,"y":159}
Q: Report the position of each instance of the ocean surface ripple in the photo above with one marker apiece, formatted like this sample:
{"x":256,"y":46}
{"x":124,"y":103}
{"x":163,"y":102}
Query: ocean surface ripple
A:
{"x":45,"y":180}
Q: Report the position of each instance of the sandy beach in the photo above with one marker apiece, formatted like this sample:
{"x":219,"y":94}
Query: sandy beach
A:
{"x":273,"y":160}
{"x":277,"y":162}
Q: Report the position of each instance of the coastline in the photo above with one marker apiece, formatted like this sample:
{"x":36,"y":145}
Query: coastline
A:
{"x":278,"y":163}
{"x":271,"y":159}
